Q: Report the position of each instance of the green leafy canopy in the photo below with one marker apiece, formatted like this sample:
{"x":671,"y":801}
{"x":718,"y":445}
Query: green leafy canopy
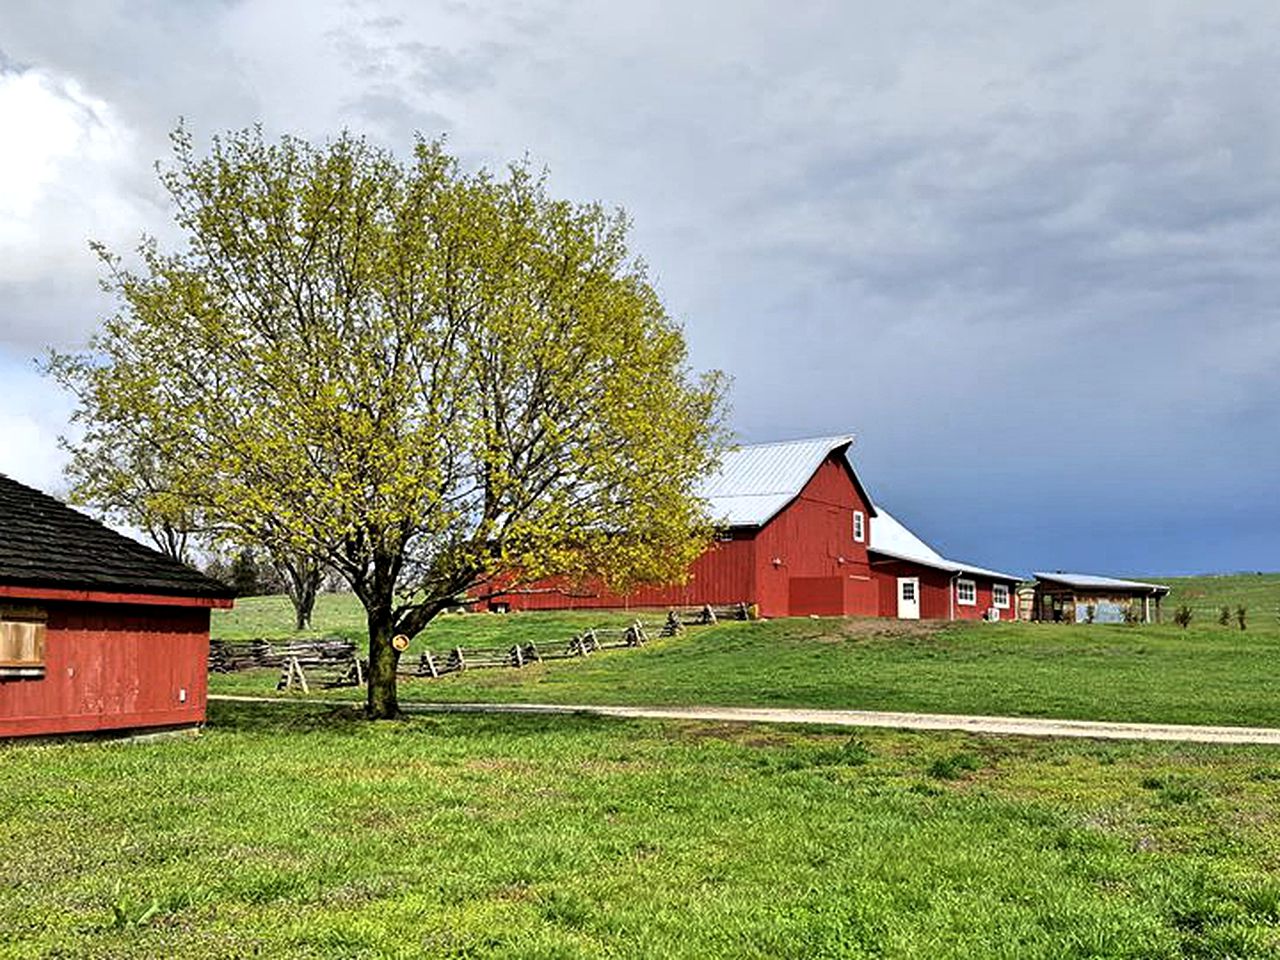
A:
{"x":432,"y":380}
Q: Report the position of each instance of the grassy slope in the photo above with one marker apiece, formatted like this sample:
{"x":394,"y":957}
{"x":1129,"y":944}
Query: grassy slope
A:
{"x":1206,"y":674}
{"x":285,"y":832}
{"x":1259,"y":592}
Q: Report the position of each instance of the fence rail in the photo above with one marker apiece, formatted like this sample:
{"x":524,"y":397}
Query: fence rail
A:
{"x":343,"y":668}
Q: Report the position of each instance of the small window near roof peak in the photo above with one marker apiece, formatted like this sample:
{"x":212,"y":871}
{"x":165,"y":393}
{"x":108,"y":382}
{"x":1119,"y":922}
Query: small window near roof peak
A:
{"x":859,"y":526}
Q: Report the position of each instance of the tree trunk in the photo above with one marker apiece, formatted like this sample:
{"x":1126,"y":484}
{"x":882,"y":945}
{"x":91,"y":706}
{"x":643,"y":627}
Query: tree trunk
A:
{"x":301,"y":576}
{"x":383,"y":657}
{"x":302,"y":592}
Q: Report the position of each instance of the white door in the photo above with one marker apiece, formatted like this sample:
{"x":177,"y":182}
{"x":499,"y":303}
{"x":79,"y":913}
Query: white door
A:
{"x":908,"y":598}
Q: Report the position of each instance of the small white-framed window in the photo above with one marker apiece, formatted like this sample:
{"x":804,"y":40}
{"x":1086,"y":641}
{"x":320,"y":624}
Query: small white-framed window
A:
{"x":1000,"y":596}
{"x":859,"y":526}
{"x":966,"y":592}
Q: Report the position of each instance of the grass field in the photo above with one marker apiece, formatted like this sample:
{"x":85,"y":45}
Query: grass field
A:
{"x":284,"y":831}
{"x":1258,"y":592}
{"x":1205,"y":674}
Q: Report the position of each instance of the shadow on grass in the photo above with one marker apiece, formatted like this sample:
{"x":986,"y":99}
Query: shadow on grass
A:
{"x":295,"y":717}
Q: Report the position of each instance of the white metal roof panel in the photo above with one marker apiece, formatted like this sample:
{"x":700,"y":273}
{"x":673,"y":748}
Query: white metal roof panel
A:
{"x":1086,"y":580}
{"x":888,"y":535}
{"x":754,"y":482}
{"x":891,"y":538}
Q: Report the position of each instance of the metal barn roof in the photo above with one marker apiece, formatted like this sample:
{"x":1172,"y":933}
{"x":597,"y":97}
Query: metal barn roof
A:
{"x":1089,"y":580}
{"x":756,"y":481}
{"x":891,"y":539}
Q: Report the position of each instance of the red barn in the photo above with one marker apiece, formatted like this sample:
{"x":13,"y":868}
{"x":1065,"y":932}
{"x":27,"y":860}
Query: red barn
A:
{"x":798,"y":538}
{"x":97,"y":632}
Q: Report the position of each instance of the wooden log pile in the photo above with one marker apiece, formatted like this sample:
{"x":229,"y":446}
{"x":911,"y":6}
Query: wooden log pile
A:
{"x":227,"y":656}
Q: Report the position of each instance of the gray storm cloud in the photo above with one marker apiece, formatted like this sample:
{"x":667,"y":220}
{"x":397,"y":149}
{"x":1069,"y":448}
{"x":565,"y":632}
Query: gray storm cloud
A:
{"x":1028,"y":255}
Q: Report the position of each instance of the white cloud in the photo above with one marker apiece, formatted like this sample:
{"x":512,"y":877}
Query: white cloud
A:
{"x":67,"y":167}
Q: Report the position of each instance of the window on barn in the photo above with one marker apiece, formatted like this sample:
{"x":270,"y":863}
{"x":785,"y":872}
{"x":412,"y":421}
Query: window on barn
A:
{"x":859,"y":526}
{"x":966,"y":592}
{"x":21,"y":643}
{"x":1000,"y":595}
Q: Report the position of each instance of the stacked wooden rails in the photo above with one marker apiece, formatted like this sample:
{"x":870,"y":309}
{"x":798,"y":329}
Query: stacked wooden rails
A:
{"x":227,"y":656}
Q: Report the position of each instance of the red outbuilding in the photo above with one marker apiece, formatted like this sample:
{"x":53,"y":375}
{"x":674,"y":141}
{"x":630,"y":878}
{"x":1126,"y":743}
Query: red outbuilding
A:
{"x":97,"y":631}
{"x":798,"y":537}
{"x":916,"y":582}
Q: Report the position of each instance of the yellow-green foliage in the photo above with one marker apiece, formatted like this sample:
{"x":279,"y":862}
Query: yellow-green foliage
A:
{"x":422,"y":376}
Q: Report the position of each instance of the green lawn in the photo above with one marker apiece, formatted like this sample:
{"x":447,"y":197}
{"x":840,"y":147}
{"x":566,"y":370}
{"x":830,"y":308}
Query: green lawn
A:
{"x":1160,"y":674}
{"x":1156,"y":673}
{"x":252,"y":618}
{"x":284,"y":831}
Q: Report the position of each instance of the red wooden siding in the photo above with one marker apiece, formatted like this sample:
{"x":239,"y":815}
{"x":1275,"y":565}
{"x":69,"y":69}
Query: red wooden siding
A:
{"x":112,"y":667}
{"x":722,"y":575}
{"x":813,"y":538}
{"x":936,"y":586}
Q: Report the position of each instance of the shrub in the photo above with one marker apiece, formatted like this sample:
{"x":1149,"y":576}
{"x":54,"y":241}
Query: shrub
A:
{"x":1090,"y":612}
{"x":1183,"y":617}
{"x":1224,"y":616}
{"x":954,"y":766}
{"x":1241,"y":612}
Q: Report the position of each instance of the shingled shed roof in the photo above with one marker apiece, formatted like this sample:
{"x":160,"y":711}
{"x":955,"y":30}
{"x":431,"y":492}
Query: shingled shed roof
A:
{"x":756,"y":481}
{"x":44,"y":543}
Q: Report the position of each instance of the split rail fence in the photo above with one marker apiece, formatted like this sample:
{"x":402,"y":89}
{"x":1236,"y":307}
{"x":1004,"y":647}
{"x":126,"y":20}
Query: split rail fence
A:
{"x":337,"y":664}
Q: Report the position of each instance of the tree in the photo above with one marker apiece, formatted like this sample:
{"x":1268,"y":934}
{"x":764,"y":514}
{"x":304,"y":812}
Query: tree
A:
{"x":116,"y":471}
{"x":123,"y":477}
{"x":245,"y":574}
{"x":301,"y":576}
{"x":435,"y":382}
{"x":1183,"y":617}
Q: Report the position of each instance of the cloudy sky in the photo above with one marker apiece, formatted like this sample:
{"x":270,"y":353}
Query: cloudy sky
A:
{"x":1028,"y":253}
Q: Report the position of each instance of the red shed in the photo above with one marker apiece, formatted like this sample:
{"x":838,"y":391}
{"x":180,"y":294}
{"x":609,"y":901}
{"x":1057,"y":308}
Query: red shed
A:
{"x":97,"y":631}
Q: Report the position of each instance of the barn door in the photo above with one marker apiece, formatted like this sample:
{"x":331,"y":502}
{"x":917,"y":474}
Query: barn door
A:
{"x":908,"y":598}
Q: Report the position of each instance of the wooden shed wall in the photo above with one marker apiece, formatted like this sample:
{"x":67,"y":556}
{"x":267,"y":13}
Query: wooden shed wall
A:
{"x":112,"y":666}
